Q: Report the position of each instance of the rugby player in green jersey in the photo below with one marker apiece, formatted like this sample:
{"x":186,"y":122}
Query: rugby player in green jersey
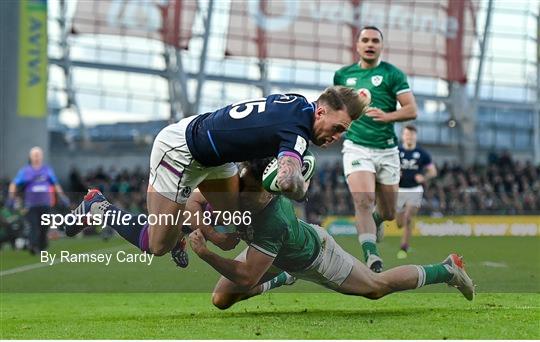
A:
{"x":281,"y":247}
{"x":370,"y":153}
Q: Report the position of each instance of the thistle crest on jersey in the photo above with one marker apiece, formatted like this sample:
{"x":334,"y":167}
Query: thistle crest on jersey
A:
{"x":376,"y":80}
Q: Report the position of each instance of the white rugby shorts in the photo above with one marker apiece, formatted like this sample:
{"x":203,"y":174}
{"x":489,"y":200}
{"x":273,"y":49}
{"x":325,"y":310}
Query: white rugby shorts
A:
{"x":384,"y":163}
{"x":410,"y":196}
{"x":173,"y":171}
{"x":331,"y":267}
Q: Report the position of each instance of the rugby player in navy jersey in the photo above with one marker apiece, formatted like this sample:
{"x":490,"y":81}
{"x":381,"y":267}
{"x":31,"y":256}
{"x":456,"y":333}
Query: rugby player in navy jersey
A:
{"x":416,"y":170}
{"x":200,"y":151}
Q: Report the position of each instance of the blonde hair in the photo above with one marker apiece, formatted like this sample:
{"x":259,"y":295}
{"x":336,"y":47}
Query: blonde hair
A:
{"x":339,"y":97}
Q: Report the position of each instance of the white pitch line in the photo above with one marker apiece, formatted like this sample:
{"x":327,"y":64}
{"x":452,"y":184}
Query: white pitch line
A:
{"x":45,"y":264}
{"x":24,"y":268}
{"x":494,"y":264}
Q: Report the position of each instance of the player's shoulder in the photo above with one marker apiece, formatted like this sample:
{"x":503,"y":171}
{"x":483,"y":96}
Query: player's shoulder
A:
{"x":275,"y":209}
{"x":287,"y":98}
{"x":421,"y":149}
{"x":290,"y":106}
{"x":274,"y":219}
{"x":391,"y":68}
{"x":292,"y":97}
{"x":280,"y":206}
{"x":284,"y":210}
{"x":423,"y":152}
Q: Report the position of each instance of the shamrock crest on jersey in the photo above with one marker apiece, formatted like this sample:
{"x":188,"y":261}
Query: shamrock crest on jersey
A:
{"x":376,"y":80}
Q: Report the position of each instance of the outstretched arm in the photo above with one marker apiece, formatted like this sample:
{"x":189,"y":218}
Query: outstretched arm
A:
{"x":246,"y":274}
{"x":197,"y":203}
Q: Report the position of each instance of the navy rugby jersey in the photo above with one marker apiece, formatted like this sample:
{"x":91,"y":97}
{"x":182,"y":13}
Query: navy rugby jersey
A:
{"x":252,"y":129}
{"x":412,"y":162}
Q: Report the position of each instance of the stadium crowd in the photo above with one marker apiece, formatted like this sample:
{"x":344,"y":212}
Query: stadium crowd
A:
{"x":125,"y":188}
{"x":503,"y":186}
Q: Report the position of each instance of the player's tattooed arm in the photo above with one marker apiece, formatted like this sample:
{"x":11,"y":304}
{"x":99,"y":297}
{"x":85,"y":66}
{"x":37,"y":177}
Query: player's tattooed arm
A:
{"x":290,"y":179}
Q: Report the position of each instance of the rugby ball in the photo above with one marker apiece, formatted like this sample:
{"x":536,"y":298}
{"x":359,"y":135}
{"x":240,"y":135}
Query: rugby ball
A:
{"x":269,"y":177}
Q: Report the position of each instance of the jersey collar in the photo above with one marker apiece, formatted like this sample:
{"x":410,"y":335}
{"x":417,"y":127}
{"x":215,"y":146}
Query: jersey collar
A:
{"x":360,"y":65}
{"x":314,"y":106}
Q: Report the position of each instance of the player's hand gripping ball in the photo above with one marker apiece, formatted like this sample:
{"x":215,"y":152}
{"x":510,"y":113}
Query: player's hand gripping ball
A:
{"x":269,"y":177}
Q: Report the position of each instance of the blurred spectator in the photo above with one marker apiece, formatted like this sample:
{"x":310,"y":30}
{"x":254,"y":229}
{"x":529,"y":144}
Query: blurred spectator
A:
{"x":504,"y":187}
{"x":12,"y":225}
{"x":39,"y":184}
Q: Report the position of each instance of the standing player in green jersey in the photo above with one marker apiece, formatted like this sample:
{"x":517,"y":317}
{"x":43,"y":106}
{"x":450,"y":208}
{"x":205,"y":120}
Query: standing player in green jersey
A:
{"x":370,"y":153}
{"x":281,"y":247}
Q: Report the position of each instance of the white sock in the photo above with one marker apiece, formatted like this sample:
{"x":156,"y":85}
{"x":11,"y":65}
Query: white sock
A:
{"x":421,"y":276}
{"x":265,"y":286}
{"x":367,"y":237}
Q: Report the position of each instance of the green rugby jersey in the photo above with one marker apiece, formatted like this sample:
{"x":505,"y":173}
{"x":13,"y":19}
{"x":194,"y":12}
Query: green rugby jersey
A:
{"x":385,"y":82}
{"x":277,"y":232}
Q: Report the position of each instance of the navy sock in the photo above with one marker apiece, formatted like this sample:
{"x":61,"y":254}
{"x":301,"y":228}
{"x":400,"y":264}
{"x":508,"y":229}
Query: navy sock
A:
{"x":129,"y":226}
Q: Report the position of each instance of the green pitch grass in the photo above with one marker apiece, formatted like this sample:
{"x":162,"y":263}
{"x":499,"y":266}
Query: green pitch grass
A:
{"x":159,"y":301}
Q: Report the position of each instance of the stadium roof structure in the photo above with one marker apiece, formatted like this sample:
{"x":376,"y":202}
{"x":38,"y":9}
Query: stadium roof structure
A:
{"x":178,"y":58}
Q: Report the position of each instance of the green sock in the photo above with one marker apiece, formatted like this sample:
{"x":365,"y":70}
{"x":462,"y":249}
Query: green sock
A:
{"x":277,"y":281}
{"x":433,"y":274}
{"x":377,"y":218}
{"x":367,"y":241}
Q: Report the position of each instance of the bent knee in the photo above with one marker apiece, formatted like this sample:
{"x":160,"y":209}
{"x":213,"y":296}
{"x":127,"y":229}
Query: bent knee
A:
{"x":374,"y":295}
{"x":388,"y":215}
{"x":159,"y":248}
{"x":378,"y":287}
{"x":221,"y":302}
{"x":158,"y":251}
{"x":161,"y":245}
{"x":364,"y":201}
